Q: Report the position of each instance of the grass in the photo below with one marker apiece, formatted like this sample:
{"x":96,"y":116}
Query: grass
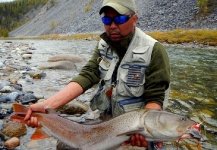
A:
{"x":87,"y":36}
{"x":178,"y":36}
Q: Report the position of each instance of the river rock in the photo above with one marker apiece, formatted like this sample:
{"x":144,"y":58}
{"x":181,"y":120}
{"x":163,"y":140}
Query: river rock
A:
{"x":74,"y":107}
{"x":64,"y":65}
{"x":14,"y":129}
{"x":2,"y":139}
{"x":37,"y":75}
{"x":12,"y":142}
{"x":27,"y":56}
{"x":1,"y":125}
{"x":4,"y":83}
{"x":64,"y":57}
{"x":7,"y":89}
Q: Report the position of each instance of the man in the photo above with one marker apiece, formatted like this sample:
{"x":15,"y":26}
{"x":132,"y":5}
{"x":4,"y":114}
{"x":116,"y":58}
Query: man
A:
{"x":132,"y":69}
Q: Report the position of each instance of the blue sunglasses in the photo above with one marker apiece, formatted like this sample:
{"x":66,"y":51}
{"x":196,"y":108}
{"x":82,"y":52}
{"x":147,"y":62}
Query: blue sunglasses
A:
{"x":121,"y":19}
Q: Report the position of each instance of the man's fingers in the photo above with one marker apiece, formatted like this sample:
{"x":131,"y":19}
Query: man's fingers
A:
{"x":142,"y":138}
{"x":138,"y":143}
{"x":32,"y":122}
{"x":28,"y":123}
{"x":159,"y":144}
{"x":39,"y":124}
{"x":144,"y":144}
{"x":137,"y":140}
{"x":28,"y":114}
{"x":137,"y":136}
{"x":132,"y":140}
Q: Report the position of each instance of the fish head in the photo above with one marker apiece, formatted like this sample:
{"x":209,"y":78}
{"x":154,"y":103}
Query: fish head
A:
{"x":170,"y":126}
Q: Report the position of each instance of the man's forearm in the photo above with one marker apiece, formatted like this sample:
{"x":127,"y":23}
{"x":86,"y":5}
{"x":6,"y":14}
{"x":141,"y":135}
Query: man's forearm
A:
{"x":71,"y":91}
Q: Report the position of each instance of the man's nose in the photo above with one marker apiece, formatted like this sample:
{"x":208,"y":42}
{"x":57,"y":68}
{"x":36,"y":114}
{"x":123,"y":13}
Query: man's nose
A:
{"x":113,"y":25}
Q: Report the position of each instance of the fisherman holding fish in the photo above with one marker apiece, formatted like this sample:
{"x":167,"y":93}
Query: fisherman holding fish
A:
{"x":131,"y":68}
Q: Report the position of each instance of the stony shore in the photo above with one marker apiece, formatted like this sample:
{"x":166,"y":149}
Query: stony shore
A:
{"x":32,"y":72}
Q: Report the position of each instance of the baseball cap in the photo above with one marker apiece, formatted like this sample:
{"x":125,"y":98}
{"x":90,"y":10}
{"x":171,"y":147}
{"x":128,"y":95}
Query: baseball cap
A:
{"x":121,"y":6}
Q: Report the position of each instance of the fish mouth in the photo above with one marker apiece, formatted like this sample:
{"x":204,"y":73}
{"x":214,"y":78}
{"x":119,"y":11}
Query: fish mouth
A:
{"x":192,"y":132}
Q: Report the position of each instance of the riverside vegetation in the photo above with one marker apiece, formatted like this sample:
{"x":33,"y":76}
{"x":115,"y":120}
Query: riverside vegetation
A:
{"x":178,"y":36}
{"x":12,"y":13}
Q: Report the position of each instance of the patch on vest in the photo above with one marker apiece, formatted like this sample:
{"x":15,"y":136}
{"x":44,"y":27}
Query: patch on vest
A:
{"x":135,"y":75}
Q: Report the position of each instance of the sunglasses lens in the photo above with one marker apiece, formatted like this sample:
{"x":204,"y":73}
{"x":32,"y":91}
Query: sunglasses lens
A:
{"x":106,"y":20}
{"x":121,"y":19}
{"x":118,"y":19}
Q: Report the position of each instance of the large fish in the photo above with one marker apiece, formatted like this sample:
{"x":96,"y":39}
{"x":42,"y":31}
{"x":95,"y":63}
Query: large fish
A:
{"x":153,"y":124}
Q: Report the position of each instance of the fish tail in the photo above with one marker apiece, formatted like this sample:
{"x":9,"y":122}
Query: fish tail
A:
{"x":18,"y":118}
{"x":19,"y":109}
{"x":19,"y":113}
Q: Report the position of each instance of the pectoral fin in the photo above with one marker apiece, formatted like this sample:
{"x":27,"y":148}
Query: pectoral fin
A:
{"x":130,"y":133}
{"x":39,"y":134}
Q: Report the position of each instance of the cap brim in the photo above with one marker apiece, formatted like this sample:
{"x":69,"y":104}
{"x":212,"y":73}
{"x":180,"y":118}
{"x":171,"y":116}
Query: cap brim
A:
{"x":119,"y":8}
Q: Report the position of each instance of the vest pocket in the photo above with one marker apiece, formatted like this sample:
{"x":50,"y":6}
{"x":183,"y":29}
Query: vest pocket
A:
{"x":126,"y":105}
{"x":140,"y":54}
{"x":131,"y":104}
{"x":132,"y":79}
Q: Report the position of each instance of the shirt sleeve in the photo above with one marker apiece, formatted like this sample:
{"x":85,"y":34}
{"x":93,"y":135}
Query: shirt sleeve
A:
{"x":89,"y":74}
{"x":157,"y":76}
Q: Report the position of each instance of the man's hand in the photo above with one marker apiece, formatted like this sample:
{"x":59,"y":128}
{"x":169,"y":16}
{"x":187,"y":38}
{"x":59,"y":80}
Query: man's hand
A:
{"x":33,"y":121}
{"x":139,"y":140}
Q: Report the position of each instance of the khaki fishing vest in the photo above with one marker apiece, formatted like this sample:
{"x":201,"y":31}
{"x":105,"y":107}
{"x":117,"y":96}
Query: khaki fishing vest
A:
{"x":128,"y":89}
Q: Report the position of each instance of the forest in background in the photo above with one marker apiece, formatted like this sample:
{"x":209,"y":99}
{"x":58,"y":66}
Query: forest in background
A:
{"x":11,"y":14}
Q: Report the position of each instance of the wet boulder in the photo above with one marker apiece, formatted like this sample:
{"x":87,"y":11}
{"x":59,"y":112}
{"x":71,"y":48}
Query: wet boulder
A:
{"x":14,"y":129}
{"x":74,"y":107}
{"x":62,"y":65}
{"x":66,"y":57}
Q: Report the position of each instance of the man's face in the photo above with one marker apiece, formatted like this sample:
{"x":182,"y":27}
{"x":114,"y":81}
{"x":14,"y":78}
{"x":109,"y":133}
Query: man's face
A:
{"x":118,"y":31}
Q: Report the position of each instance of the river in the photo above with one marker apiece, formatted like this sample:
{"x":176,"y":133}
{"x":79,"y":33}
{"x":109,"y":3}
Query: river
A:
{"x":193,"y":80}
{"x":194,"y":89}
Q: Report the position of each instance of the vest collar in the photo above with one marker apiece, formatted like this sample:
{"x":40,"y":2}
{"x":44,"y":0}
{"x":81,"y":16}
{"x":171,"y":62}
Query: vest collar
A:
{"x":119,"y":47}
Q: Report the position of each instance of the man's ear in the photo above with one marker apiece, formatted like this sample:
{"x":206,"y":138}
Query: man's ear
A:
{"x":135,"y":19}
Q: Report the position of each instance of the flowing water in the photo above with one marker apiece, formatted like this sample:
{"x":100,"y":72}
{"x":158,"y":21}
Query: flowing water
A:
{"x":194,"y":89}
{"x":193,"y":81}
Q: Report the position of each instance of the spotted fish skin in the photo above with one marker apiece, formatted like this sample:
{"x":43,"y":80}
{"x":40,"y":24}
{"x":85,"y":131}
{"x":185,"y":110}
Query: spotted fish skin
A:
{"x":153,"y":124}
